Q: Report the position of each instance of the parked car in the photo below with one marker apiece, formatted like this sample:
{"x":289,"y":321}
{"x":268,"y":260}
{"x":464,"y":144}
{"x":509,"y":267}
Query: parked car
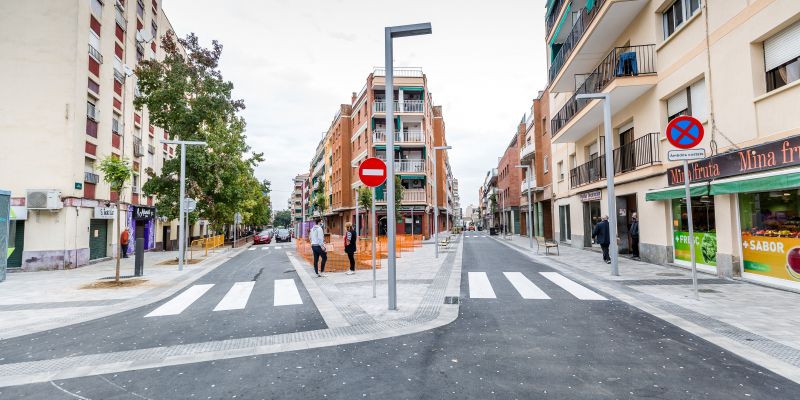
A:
{"x":471,"y":228}
{"x":283,"y":235}
{"x":263,"y":237}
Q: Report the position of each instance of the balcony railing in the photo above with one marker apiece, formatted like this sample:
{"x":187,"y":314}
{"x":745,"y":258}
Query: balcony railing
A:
{"x":523,"y":187}
{"x":91,"y":177}
{"x":526,"y":151}
{"x":407,"y":106}
{"x":641,"y":152}
{"x":319,"y":167}
{"x":554,"y":14}
{"x":400,"y":72}
{"x":95,"y":54}
{"x":621,"y":61}
{"x":406,"y":136}
{"x":409,"y":166}
{"x":582,"y":22}
{"x":409,"y":196}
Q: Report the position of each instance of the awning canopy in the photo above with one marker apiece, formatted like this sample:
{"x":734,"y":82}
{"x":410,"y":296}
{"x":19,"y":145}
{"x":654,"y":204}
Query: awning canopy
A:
{"x":383,"y":147}
{"x":758,"y":183}
{"x":697,"y":189}
{"x":411,"y":88}
{"x":420,"y":176}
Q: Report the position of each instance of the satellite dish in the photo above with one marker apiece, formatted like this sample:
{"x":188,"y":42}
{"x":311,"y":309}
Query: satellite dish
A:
{"x":128,"y":71}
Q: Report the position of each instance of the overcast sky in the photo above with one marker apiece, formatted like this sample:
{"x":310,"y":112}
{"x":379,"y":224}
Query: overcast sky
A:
{"x":293,"y":62}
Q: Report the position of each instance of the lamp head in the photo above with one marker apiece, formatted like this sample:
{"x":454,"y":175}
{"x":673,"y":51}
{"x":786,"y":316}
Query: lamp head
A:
{"x":409,"y":30}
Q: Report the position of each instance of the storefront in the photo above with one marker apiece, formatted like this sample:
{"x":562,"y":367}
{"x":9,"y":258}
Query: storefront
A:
{"x":592,"y":214}
{"x":705,"y":238}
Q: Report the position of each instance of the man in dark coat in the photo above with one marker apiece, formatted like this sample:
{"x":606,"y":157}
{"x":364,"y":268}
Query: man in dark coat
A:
{"x":601,"y":236}
{"x":634,"y":231}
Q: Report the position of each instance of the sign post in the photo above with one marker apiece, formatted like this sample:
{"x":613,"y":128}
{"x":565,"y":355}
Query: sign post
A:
{"x":686,"y":132}
{"x":372,"y":173}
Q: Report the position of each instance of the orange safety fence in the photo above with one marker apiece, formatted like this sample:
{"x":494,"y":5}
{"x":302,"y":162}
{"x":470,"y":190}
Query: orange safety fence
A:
{"x":338,"y":260}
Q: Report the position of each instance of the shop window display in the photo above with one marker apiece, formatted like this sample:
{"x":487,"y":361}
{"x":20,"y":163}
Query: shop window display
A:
{"x":770,"y":223}
{"x":705,"y":237}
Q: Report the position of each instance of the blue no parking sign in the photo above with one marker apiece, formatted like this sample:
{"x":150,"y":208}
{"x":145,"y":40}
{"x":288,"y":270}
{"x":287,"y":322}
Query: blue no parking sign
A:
{"x":685,"y":132}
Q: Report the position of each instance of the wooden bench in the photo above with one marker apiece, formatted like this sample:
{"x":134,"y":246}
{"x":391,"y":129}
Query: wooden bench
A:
{"x":547,"y":243}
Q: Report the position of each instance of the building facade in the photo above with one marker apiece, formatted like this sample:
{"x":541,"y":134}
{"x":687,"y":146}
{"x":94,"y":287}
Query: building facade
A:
{"x":73,"y":106}
{"x":672,"y":58}
{"x":297,"y":201}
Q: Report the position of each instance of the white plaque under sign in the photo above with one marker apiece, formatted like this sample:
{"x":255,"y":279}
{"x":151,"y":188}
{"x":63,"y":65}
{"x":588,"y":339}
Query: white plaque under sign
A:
{"x":105,"y":212}
{"x":691,"y":154}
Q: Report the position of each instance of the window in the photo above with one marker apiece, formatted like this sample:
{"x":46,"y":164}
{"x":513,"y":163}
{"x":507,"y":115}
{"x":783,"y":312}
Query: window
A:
{"x":115,"y":124}
{"x":560,"y":170}
{"x":140,"y":9}
{"x":782,"y":57}
{"x":677,"y":13}
{"x":91,"y":111}
{"x":154,"y":29}
{"x":689,"y":101}
{"x":546,"y":167}
{"x":572,"y":161}
{"x":97,"y":7}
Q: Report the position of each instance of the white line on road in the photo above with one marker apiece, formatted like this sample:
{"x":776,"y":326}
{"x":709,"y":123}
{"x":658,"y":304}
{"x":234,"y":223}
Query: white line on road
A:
{"x":574,"y":288}
{"x":265,"y":248}
{"x":236,"y":298}
{"x":286,"y":293}
{"x":277,"y":247}
{"x":526,"y":288}
{"x":180,"y":302}
{"x":479,"y":286}
{"x":251,"y":248}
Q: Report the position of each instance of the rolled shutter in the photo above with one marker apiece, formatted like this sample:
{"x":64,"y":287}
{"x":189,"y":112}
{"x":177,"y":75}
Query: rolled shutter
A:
{"x":677,"y":103}
{"x":783,"y":47}
{"x":698,"y":93}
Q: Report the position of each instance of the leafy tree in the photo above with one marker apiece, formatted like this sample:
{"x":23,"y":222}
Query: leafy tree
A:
{"x":365,"y":197}
{"x":493,"y":202}
{"x":319,"y":202}
{"x":398,"y":196}
{"x":116,"y":172}
{"x":187,"y":96}
{"x":283,"y":218}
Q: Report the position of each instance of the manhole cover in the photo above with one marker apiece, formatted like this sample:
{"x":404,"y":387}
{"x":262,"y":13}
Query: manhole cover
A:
{"x":451,"y":300}
{"x":669,"y":274}
{"x":707,"y":291}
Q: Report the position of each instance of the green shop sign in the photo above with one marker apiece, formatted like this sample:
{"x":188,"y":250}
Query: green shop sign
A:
{"x":705,"y":247}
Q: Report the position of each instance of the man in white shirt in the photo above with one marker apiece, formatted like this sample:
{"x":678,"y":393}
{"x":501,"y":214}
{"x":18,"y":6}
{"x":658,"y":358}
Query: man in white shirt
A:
{"x":317,"y":238}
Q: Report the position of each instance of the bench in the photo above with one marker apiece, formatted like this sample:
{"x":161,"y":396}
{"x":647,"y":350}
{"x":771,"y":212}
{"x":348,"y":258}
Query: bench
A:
{"x":547,"y":243}
{"x":445,"y":242}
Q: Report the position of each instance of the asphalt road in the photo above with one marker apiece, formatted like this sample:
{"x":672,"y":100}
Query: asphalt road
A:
{"x":499,"y":348}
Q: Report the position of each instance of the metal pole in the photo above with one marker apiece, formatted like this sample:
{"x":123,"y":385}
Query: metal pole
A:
{"x":612,"y":199}
{"x":435,"y":207}
{"x":390,"y":211}
{"x":372,"y":230}
{"x":530,"y":216}
{"x":234,"y":231}
{"x":691,"y":227}
{"x":182,"y":231}
{"x":357,"y":218}
{"x":303,"y":210}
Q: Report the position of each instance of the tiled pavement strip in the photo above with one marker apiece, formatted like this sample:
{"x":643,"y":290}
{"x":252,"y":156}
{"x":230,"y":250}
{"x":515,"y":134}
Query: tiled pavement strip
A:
{"x":730,"y":317}
{"x":430,"y":313}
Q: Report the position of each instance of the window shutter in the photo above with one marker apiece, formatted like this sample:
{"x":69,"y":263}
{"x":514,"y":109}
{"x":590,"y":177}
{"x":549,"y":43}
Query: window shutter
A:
{"x":677,"y":103}
{"x":698,"y":93}
{"x":783,"y":47}
{"x":94,"y":40}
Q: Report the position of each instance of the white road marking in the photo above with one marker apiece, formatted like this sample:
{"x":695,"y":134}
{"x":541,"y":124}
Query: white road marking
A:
{"x":286,"y":293}
{"x":479,"y":286}
{"x":526,"y":288}
{"x":277,"y":247}
{"x":265,"y":248}
{"x":251,"y":248}
{"x":236,"y":298}
{"x":180,"y":302}
{"x":574,"y":288}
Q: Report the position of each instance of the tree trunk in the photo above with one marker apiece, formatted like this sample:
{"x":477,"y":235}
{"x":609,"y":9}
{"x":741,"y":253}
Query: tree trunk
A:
{"x":119,"y":244}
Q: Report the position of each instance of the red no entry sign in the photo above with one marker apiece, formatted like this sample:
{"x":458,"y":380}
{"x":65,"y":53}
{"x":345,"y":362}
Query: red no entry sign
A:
{"x":685,"y":132}
{"x":372,"y":172}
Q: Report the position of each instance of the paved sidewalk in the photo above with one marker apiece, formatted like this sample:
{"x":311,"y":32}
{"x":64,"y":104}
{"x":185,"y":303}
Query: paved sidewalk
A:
{"x":757,"y":322}
{"x":36,"y":301}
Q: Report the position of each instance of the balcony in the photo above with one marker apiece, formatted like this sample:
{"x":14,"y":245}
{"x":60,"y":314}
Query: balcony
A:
{"x":95,"y":54}
{"x":626,"y":73}
{"x":595,"y":28}
{"x":406,"y":136}
{"x":407,"y":106}
{"x":409,"y":196}
{"x":493,"y":176}
{"x":526,"y":152}
{"x":320,"y":167}
{"x":554,"y":12}
{"x":400,"y":72}
{"x":642,"y":152}
{"x":523,"y":187}
{"x":409,"y":166}
{"x":91,"y":177}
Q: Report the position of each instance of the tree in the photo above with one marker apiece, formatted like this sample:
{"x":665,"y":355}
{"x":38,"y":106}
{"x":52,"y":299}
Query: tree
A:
{"x":116,"y":172}
{"x":319,"y":202}
{"x":283,"y":218}
{"x":365,"y":199}
{"x":398,"y":196}
{"x":187,"y":96}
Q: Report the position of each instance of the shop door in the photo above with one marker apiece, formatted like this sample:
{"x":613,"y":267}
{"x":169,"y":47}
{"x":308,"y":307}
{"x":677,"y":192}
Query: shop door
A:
{"x":564,"y":222}
{"x":98,"y":238}
{"x":622,"y":224}
{"x":166,"y":243}
{"x":15,"y":259}
{"x":591,"y":216}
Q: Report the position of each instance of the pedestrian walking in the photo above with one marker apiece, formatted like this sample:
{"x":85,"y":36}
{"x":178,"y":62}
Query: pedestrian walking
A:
{"x":601,"y":236}
{"x":350,"y":246}
{"x":124,"y":239}
{"x":317,"y":238}
{"x":634,"y":231}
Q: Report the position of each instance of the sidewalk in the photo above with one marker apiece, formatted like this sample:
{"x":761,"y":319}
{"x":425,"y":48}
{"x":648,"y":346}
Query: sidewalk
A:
{"x":36,"y":301}
{"x":756,"y":322}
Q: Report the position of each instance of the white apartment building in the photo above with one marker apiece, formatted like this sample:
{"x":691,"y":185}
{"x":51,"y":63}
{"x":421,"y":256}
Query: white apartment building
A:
{"x":733,"y":64}
{"x":69,"y":65}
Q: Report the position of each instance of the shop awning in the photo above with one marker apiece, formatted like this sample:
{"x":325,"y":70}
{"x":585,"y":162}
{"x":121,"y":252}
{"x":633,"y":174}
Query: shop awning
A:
{"x":758,"y":183}
{"x":383,"y":147}
{"x":420,"y":176}
{"x":561,"y":23}
{"x":411,"y":88}
{"x":676,"y":192}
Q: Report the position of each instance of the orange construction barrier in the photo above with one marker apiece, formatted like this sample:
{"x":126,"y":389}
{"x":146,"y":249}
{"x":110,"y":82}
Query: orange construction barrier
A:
{"x":338,"y":260}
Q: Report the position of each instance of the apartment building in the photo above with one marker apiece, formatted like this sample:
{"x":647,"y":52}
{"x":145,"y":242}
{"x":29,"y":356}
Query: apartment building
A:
{"x":71,"y":76}
{"x":509,"y":178}
{"x":487,"y":194}
{"x":297,"y":200}
{"x":535,"y":154}
{"x":358,"y":131}
{"x":733,"y":64}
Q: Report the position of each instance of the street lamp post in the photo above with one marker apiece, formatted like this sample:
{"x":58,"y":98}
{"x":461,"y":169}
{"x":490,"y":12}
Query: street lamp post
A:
{"x":182,"y":231}
{"x":390,"y":33}
{"x":530,"y":217}
{"x":436,"y":199}
{"x":612,"y":199}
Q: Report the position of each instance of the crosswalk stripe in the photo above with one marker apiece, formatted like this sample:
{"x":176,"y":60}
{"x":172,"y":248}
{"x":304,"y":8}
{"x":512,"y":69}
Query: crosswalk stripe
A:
{"x":574,"y":288}
{"x":265,"y":248}
{"x":180,"y":302}
{"x":526,"y":288}
{"x":286,"y":293}
{"x":277,"y":247}
{"x":236,"y":298}
{"x":251,"y":249}
{"x":479,"y":286}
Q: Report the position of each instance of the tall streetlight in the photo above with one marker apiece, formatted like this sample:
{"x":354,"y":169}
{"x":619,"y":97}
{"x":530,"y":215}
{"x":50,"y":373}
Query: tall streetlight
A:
{"x":529,"y":219}
{"x":392,"y":32}
{"x":612,"y":199}
{"x":182,"y":231}
{"x":436,"y":199}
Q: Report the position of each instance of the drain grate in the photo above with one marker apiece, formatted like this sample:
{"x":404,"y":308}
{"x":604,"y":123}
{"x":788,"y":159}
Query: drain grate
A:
{"x":451,"y":300}
{"x":120,"y":277}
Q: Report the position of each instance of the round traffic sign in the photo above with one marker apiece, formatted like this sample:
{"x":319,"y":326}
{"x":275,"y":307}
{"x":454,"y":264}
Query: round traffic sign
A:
{"x":372,"y":172}
{"x":685,"y":132}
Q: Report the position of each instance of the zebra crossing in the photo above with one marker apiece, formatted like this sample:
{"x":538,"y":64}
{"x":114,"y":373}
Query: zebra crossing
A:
{"x":480,"y":286}
{"x":285,"y":294}
{"x":267,"y":247}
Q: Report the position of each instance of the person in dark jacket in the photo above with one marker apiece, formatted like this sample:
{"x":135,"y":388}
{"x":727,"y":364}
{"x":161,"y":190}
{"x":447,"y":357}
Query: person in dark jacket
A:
{"x":350,"y":246}
{"x":601,"y":236}
{"x":634,"y":231}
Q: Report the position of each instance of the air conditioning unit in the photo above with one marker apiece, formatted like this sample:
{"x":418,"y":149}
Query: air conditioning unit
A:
{"x":43,"y":199}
